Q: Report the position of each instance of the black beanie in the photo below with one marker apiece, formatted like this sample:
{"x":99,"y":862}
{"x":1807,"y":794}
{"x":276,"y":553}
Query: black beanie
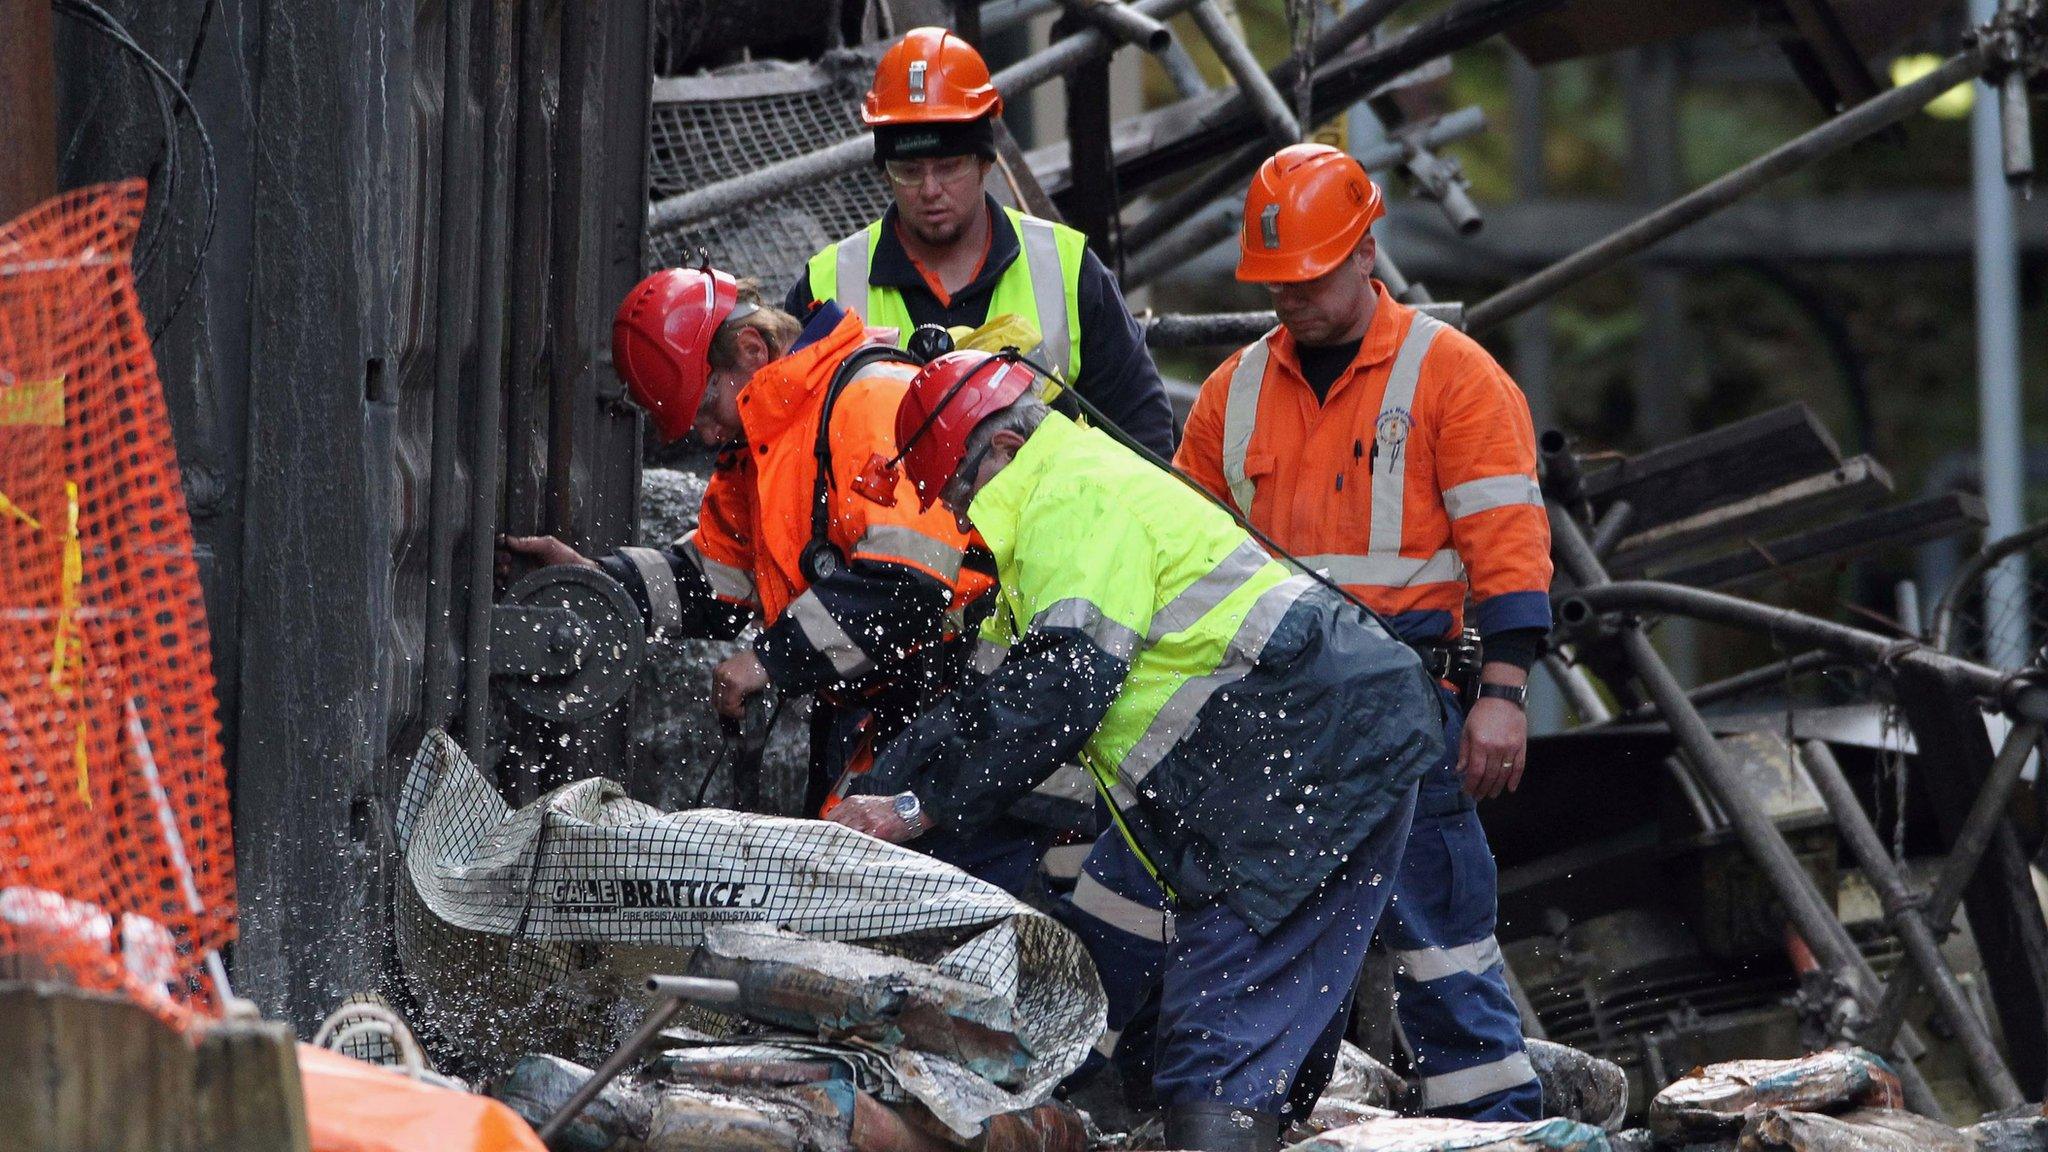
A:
{"x":935,"y":140}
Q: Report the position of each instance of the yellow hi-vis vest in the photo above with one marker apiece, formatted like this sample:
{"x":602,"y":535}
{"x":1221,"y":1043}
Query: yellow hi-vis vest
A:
{"x":1048,"y":266}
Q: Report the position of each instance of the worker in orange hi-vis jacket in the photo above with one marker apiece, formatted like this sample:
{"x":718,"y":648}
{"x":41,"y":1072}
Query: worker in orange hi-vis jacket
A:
{"x":1389,"y":451}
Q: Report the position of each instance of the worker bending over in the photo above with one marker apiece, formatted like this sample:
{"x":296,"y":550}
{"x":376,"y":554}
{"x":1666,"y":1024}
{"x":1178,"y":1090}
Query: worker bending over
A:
{"x":946,"y":253}
{"x":853,"y":594}
{"x":1257,"y":738}
{"x":1390,"y":452}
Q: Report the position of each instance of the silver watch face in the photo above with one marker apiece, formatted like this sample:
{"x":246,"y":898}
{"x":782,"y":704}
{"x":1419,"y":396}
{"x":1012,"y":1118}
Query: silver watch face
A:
{"x":908,"y":807}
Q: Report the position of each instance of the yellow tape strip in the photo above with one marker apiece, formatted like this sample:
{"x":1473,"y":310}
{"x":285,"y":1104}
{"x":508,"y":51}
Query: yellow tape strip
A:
{"x":10,"y":508}
{"x":68,"y":656}
{"x":35,"y":402}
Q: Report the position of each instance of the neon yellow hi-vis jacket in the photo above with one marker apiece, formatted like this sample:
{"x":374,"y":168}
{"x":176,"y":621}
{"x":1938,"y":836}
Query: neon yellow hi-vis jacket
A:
{"x":1248,"y":726}
{"x":1043,"y":286}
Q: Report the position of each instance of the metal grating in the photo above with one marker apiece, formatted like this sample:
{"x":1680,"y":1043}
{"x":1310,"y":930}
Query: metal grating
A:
{"x":711,"y":128}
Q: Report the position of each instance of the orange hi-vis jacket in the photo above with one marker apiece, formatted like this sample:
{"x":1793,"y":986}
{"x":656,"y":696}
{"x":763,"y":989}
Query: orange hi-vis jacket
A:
{"x":756,"y":521}
{"x":1411,"y":484}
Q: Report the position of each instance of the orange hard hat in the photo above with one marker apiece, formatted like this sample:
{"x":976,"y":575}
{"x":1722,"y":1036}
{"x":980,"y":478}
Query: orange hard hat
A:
{"x":1306,"y":210}
{"x":661,"y":341}
{"x":931,"y":76}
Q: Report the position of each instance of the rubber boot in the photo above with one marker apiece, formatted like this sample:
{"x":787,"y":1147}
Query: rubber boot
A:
{"x":1219,"y":1128}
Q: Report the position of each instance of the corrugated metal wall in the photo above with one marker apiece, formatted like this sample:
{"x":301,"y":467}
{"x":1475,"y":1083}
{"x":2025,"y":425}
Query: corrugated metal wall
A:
{"x":326,"y":379}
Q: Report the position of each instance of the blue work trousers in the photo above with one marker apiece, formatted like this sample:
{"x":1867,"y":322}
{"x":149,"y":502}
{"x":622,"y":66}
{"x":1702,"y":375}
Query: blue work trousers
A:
{"x":1242,"y":1019}
{"x":1453,"y":1003}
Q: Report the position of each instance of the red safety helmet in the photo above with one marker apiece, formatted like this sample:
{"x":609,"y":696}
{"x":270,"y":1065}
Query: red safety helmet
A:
{"x":1307,"y":208}
{"x":930,"y":76}
{"x":661,"y":341}
{"x":947,"y":398}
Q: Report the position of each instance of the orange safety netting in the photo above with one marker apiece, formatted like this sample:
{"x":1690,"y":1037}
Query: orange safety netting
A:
{"x":116,"y":864}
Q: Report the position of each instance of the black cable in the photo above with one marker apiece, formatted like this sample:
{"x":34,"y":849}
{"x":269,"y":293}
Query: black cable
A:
{"x":167,"y":158}
{"x":169,"y":92}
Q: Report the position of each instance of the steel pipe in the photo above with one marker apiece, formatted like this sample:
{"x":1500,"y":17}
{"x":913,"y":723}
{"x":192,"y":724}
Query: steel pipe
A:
{"x":1986,"y":816}
{"x":1742,"y":682}
{"x":849,"y":155}
{"x":1900,"y":911}
{"x":1219,"y":329}
{"x":1607,"y":533}
{"x":1809,"y":912}
{"x":1578,"y":691}
{"x":1871,"y":116}
{"x":1125,"y":23}
{"x":2020,"y":694}
{"x":1253,"y":85}
{"x":674,"y":992}
{"x":1192,"y":220}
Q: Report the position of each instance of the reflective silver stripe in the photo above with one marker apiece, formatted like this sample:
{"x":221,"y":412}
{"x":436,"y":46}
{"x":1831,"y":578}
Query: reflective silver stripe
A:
{"x":1068,"y":782}
{"x":1390,"y":571}
{"x":988,"y":656}
{"x":1107,"y":1044}
{"x":852,"y":260}
{"x":664,"y":602}
{"x":1390,"y":464}
{"x":1426,"y":964}
{"x":1177,"y":716}
{"x":1240,"y":414}
{"x":1083,"y":616}
{"x":1469,"y":1084}
{"x":827,"y":636}
{"x":1119,"y":912}
{"x":726,"y":581}
{"x":1048,"y":292}
{"x":1202,"y":596}
{"x":896,"y":542}
{"x":1473,"y":496}
{"x":1065,"y":861}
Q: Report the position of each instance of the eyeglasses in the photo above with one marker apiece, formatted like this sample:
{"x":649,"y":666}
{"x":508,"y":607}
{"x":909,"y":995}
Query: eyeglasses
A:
{"x":945,"y":170}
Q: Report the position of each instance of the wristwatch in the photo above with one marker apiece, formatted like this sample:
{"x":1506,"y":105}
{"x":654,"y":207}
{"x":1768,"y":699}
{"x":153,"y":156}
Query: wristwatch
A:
{"x":1516,"y":694}
{"x":911,"y":810}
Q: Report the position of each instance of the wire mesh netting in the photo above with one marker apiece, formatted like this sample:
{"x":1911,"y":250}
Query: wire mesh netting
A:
{"x":1996,"y":611}
{"x":116,"y":867}
{"x":526,"y":929}
{"x":708,"y":129}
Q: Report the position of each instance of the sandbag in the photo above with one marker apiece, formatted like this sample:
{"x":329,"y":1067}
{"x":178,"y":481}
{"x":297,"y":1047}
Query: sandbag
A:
{"x":1861,"y":1130}
{"x":538,"y":1086}
{"x":1579,"y":1086}
{"x":690,"y":1119}
{"x":1709,"y":1102}
{"x":843,"y":991}
{"x":2018,"y":1134}
{"x":1430,"y":1134}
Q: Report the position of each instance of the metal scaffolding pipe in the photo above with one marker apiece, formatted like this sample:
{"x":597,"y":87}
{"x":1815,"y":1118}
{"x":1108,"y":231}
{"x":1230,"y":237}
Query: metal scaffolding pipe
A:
{"x":1741,"y":682}
{"x":1810,"y":914}
{"x":1125,"y":23}
{"x":849,"y":155}
{"x":1571,"y":680}
{"x":1253,"y":85}
{"x":1871,"y":116}
{"x":1986,"y":816}
{"x":1903,"y":914}
{"x":1191,"y":221}
{"x":1220,"y":329}
{"x":2020,"y":694}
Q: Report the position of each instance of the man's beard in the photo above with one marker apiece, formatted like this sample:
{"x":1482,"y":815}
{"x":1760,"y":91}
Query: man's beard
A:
{"x":938,"y":236}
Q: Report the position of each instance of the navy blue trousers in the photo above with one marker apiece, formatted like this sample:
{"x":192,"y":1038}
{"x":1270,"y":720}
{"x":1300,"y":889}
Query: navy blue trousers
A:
{"x":1450,"y":983}
{"x":1242,"y":1019}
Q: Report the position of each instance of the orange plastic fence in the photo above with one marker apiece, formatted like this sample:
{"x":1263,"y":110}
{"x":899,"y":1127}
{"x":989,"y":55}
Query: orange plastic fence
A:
{"x":116,"y":864}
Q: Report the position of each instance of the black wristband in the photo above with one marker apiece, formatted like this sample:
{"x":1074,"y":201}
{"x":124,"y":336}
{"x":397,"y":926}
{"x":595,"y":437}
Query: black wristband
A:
{"x":1516,"y":694}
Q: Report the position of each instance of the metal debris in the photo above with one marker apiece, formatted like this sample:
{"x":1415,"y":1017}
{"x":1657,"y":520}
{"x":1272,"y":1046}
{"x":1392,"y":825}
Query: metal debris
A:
{"x":1863,"y":1130}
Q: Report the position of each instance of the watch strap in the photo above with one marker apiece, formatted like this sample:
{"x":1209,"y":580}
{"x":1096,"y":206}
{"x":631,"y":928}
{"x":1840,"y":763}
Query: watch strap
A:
{"x":1516,"y":694}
